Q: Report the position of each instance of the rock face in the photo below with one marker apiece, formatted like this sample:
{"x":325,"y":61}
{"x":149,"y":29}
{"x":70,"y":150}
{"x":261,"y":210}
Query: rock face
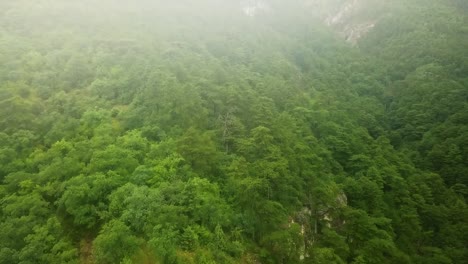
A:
{"x":345,"y":11}
{"x":351,"y":19}
{"x":353,"y":33}
{"x":253,"y":7}
{"x":309,"y":218}
{"x":349,"y":23}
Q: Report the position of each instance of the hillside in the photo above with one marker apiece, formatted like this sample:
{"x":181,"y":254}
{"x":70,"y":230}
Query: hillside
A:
{"x":260,"y":131}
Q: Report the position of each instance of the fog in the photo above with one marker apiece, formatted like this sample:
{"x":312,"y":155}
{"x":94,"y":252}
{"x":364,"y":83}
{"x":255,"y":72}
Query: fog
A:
{"x":110,"y":18}
{"x":118,"y":12}
{"x":233,"y":131}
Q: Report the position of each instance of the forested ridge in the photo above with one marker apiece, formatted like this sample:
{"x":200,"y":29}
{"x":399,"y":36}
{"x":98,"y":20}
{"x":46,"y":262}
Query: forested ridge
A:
{"x":198,"y":132}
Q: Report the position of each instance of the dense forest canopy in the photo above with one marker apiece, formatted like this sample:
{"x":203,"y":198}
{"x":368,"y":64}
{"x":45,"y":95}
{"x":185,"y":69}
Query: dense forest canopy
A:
{"x":221,"y":131}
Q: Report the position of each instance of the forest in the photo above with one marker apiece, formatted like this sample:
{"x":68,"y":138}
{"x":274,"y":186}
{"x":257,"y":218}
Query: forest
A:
{"x":231,"y":131}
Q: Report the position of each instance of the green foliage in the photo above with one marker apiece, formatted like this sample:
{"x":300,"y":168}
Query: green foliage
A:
{"x":114,"y":242}
{"x":48,"y":244}
{"x":188,"y":132}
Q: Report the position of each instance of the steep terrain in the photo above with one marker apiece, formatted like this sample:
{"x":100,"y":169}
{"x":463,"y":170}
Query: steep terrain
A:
{"x":208,"y":131}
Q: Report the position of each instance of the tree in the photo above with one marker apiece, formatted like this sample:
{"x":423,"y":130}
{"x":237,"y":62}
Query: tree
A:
{"x":115,"y":242}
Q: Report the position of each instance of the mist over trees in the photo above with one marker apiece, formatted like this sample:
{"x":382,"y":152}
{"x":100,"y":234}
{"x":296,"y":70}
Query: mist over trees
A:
{"x":204,"y":131}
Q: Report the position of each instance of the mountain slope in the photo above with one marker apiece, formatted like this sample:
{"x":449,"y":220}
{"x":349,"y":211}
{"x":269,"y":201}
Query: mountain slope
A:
{"x":233,"y":132}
